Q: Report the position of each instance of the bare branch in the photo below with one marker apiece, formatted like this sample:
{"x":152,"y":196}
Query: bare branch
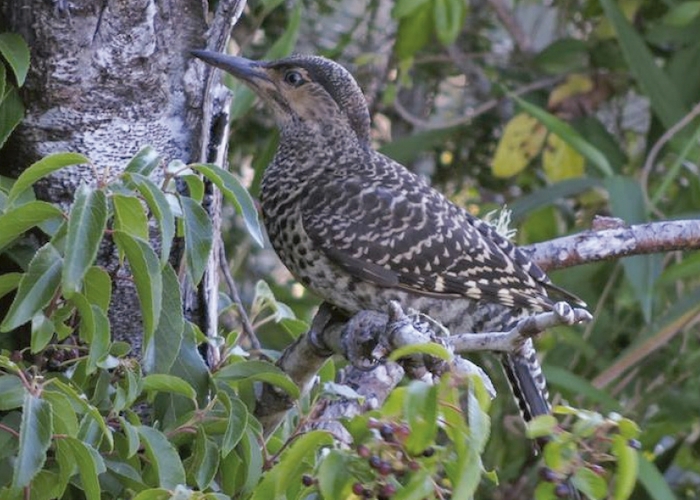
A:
{"x":608,"y":244}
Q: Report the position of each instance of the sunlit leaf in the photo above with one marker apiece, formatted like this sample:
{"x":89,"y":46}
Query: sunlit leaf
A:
{"x":521,"y":141}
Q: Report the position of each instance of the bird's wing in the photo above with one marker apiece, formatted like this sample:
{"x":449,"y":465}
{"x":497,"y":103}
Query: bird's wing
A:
{"x":394,"y":230}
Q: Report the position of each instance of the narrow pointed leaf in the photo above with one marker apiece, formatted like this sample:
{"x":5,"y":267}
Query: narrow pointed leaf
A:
{"x":129,"y":216}
{"x":144,"y":162}
{"x":34,"y":440}
{"x":145,"y":268}
{"x":16,"y":221}
{"x":11,"y":113}
{"x":86,"y":225}
{"x":160,"y":208}
{"x":90,"y":464}
{"x":161,"y":349}
{"x":237,"y":195}
{"x":37,"y":287}
{"x":161,"y":382}
{"x":163,"y":457}
{"x":198,"y":238}
{"x":664,"y":96}
{"x":569,"y":135}
{"x":237,"y":422}
{"x":258,"y":370}
{"x":42,"y":168}
{"x":16,"y":52}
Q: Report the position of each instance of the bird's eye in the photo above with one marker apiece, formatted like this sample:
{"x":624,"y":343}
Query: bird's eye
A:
{"x":293,"y":78}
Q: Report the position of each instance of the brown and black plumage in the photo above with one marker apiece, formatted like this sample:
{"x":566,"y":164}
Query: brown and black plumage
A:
{"x":360,"y":230}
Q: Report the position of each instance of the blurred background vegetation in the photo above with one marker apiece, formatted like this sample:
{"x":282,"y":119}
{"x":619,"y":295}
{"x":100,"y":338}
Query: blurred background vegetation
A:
{"x":619,"y":83}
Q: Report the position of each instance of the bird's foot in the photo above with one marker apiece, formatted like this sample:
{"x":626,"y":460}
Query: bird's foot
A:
{"x":568,"y":315}
{"x":361,"y":337}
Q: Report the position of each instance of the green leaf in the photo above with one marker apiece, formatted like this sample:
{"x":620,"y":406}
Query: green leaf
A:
{"x":195,"y":186}
{"x":568,"y":134}
{"x":421,"y":409}
{"x":198,"y":238}
{"x":65,"y":419}
{"x":293,"y":461}
{"x":80,"y":401}
{"x":16,"y":52}
{"x":86,"y":224}
{"x":9,"y":282}
{"x":258,"y":370}
{"x":428,"y":348}
{"x":627,"y":202}
{"x":36,"y":289}
{"x":12,"y":392}
{"x":663,"y":94}
{"x":236,"y":424}
{"x":161,"y":349}
{"x":403,"y":8}
{"x":145,"y":268}
{"x":563,"y":378}
{"x":549,"y":195}
{"x":168,"y":383}
{"x":419,"y":487}
{"x":649,"y":476}
{"x":237,"y":195}
{"x":190,"y":366}
{"x":204,"y":461}
{"x":17,"y":220}
{"x":627,"y":468}
{"x":129,"y":216}
{"x":144,"y":162}
{"x":412,"y":34}
{"x":479,"y":422}
{"x":333,"y":477}
{"x":11,"y":114}
{"x":160,"y":208}
{"x":89,"y":461}
{"x":563,"y":56}
{"x":163,"y":457}
{"x":542,"y":425}
{"x":448,"y":19}
{"x":97,"y":287}
{"x":34,"y":440}
{"x":590,"y":483}
{"x":42,"y":332}
{"x":41,"y":169}
{"x":682,"y":14}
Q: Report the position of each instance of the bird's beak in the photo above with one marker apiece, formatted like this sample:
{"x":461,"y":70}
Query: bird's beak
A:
{"x":244,"y":69}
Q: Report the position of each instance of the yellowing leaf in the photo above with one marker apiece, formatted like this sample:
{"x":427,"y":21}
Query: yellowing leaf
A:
{"x":521,"y":141}
{"x":574,"y":85}
{"x":560,"y":161}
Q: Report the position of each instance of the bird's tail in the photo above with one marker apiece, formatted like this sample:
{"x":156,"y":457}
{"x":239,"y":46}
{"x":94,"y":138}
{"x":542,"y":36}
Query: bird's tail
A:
{"x":527,"y":381}
{"x":529,"y":386}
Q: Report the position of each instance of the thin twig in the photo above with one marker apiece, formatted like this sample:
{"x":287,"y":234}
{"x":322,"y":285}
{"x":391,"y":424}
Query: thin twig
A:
{"x":656,"y":148}
{"x":471,"y":113}
{"x":233,"y":292}
{"x":505,"y":15}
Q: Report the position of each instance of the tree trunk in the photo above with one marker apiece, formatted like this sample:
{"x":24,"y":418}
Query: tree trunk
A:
{"x":106,"y":79}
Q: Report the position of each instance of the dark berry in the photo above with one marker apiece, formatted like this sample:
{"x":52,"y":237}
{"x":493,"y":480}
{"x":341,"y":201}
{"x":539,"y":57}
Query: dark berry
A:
{"x":547,"y":474}
{"x":387,"y":432}
{"x":562,"y":490}
{"x":307,"y":480}
{"x":402,"y":431}
{"x":429,"y":452}
{"x":385,"y":468}
{"x":358,"y":489}
{"x":375,"y":461}
{"x":634,"y":444}
{"x":363,"y":451}
{"x":386,"y":491}
{"x":597,"y":469}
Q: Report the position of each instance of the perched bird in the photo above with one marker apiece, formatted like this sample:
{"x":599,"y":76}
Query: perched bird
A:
{"x":360,"y":230}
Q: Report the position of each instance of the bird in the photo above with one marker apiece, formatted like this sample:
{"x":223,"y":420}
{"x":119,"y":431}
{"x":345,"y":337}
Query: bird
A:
{"x":361,"y":230}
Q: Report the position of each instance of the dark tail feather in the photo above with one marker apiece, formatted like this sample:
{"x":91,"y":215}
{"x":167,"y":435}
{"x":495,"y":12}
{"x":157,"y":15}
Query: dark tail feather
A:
{"x":529,"y":386}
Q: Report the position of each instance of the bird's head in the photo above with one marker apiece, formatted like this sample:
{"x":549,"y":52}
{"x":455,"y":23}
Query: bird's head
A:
{"x":310,"y":90}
